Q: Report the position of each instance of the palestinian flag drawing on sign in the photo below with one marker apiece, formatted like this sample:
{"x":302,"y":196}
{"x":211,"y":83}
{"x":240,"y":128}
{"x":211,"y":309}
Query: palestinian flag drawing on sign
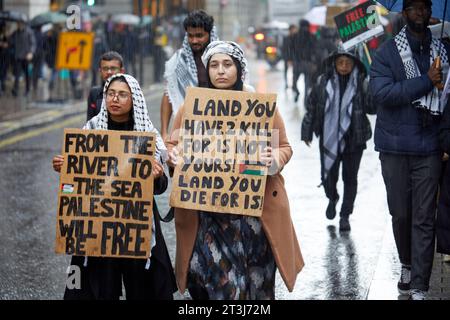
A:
{"x":252,"y":169}
{"x":67,"y":188}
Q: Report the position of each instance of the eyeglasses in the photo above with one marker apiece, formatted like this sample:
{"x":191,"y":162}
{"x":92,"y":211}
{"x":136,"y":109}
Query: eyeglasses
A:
{"x":122,"y":95}
{"x":113,"y":69}
{"x":415,"y":10}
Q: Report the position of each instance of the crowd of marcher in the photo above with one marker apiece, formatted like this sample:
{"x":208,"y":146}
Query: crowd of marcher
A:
{"x":226,"y":256}
{"x":28,"y":52}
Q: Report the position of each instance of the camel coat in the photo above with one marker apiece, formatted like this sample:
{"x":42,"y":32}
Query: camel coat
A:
{"x":276,"y":219}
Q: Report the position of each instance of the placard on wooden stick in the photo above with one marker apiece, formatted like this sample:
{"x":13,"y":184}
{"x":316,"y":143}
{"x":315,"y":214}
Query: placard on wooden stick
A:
{"x":222,"y":135}
{"x":105,"y":199}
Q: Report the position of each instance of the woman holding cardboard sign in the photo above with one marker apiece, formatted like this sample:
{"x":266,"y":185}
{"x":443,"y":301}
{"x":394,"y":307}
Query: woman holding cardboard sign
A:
{"x":229,"y":256}
{"x":124,"y":108}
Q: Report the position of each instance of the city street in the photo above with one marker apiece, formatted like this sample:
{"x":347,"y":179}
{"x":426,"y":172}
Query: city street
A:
{"x":360,"y":264}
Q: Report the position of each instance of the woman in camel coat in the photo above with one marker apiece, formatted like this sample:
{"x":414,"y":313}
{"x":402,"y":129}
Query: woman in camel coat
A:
{"x":226,"y":256}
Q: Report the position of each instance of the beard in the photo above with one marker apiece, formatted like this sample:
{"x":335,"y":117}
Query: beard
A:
{"x":418,"y":27}
{"x":199,"y":49}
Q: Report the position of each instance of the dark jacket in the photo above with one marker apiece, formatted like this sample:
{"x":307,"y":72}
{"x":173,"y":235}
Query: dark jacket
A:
{"x":287,"y":49}
{"x":94,"y":102}
{"x":50,"y":47}
{"x":400,"y":127}
{"x":360,"y":130}
{"x":23,"y":42}
{"x":304,"y":46}
{"x":443,"y":213}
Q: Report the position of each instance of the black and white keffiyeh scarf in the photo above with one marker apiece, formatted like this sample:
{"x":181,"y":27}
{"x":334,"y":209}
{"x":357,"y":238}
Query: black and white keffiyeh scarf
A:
{"x":181,"y":72}
{"x":337,"y":118}
{"x":141,"y":117}
{"x":230,"y":48}
{"x":431,"y":102}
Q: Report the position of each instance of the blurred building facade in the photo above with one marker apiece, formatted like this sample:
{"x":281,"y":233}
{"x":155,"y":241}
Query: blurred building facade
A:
{"x":288,"y":11}
{"x":232,"y":17}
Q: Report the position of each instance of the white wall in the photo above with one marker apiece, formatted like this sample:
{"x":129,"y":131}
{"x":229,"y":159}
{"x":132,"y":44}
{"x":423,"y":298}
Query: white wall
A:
{"x":238,"y":15}
{"x":30,"y":7}
{"x":289,"y":11}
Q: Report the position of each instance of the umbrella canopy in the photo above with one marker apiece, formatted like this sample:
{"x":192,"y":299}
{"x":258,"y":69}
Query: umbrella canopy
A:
{"x":317,"y":15}
{"x":126,"y":18}
{"x":437,"y":8}
{"x":48,"y":17}
{"x":13,"y":16}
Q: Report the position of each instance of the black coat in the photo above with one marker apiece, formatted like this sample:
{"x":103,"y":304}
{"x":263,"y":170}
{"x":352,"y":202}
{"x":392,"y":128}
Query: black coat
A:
{"x":360,"y":130}
{"x":94,"y":102}
{"x":443,"y":214}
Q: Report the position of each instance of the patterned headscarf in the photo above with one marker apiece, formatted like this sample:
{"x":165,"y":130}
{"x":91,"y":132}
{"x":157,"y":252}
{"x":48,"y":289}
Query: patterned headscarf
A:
{"x":230,"y":48}
{"x":141,"y":118}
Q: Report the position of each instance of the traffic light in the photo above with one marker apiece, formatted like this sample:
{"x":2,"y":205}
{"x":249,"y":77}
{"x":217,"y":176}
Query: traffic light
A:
{"x":91,"y":3}
{"x":259,"y":36}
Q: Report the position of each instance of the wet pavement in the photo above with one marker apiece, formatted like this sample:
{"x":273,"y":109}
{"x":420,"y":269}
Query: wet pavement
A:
{"x":356,"y":265}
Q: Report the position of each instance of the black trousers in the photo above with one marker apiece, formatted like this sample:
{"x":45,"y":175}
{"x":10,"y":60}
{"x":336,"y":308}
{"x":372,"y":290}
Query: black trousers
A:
{"x":411,"y":187}
{"x":350,"y":167}
{"x":102,"y":278}
{"x":19,"y":67}
{"x":298,"y":69}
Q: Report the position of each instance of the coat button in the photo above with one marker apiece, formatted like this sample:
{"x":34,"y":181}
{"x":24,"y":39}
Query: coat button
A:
{"x":274,"y":193}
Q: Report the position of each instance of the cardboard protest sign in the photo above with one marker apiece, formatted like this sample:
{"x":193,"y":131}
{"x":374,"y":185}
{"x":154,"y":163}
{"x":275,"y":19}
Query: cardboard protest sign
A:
{"x":358,"y":24}
{"x":74,"y":50}
{"x":332,"y":11}
{"x":222,"y":135}
{"x":105,"y":199}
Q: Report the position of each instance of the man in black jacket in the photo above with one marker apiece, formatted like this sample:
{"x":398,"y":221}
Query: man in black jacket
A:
{"x":304,"y":49}
{"x":288,"y":50}
{"x":403,"y":79}
{"x":111,"y":63}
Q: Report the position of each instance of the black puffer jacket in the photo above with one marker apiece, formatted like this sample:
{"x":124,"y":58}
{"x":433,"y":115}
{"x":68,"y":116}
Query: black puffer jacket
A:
{"x":360,"y":130}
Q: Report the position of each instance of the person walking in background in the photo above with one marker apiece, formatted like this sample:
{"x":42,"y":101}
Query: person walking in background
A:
{"x":111,"y":62}
{"x":336,"y":111}
{"x":304,"y":46}
{"x":50,"y":46}
{"x":287,"y":51}
{"x":403,"y":80}
{"x":100,"y":47}
{"x":23,"y":45}
{"x":4,"y":56}
{"x":185,"y":67}
{"x":160,"y":41}
{"x":38,"y":58}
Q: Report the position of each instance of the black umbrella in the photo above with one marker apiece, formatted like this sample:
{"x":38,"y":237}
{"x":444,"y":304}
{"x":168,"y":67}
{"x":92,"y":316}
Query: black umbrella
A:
{"x":439,"y":9}
{"x":48,"y":17}
{"x":13,"y":16}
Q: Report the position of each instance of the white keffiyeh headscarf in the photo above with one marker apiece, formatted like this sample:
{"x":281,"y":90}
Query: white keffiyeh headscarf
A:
{"x":142,"y":122}
{"x":181,"y":72}
{"x":141,"y":118}
{"x":230,"y":48}
{"x":431,"y":102}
